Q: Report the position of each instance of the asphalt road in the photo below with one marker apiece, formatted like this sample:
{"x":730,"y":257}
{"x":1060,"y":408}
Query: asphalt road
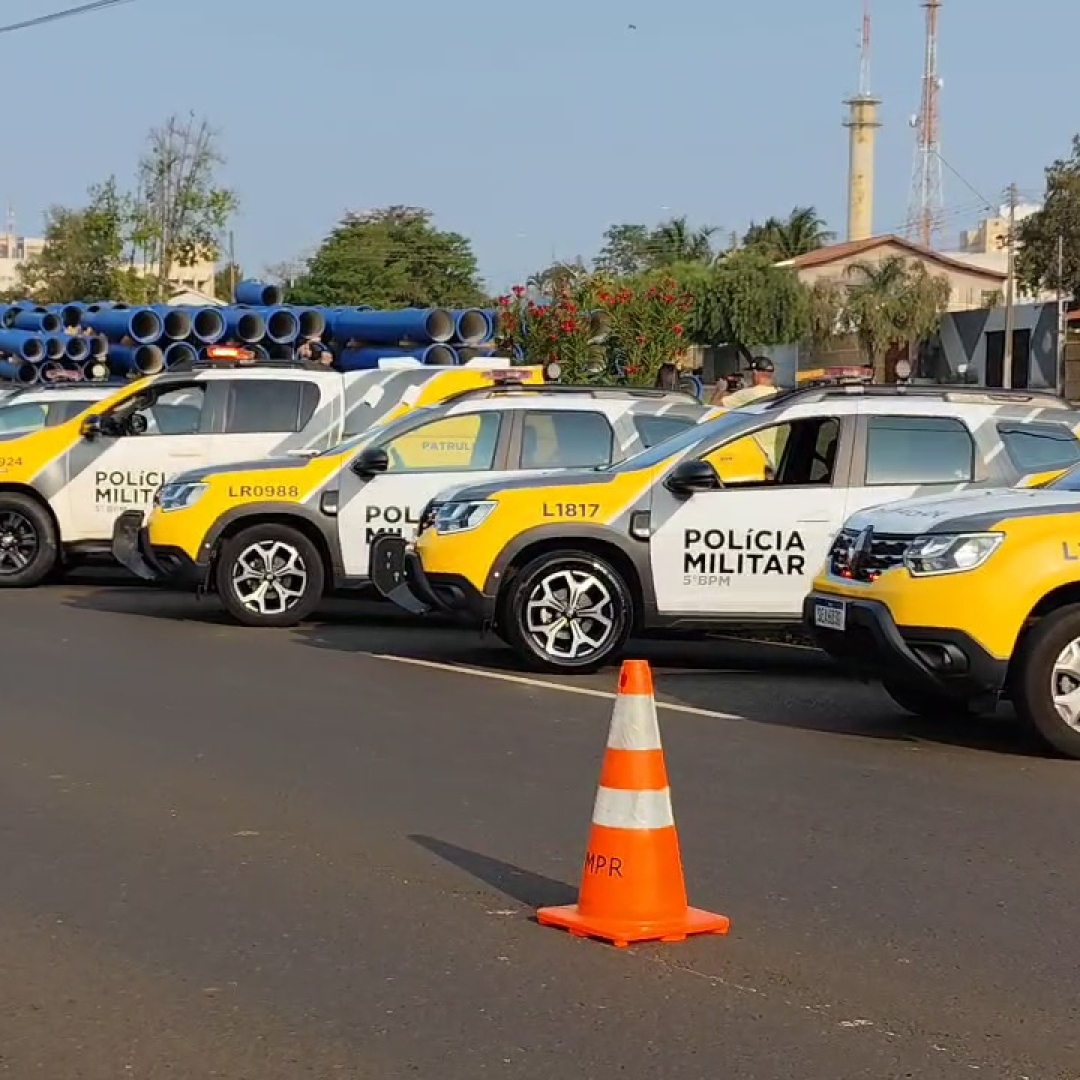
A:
{"x":275,"y":855}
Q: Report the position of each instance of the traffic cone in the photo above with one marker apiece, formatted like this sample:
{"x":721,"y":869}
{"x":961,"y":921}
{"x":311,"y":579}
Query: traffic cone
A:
{"x":632,"y":886}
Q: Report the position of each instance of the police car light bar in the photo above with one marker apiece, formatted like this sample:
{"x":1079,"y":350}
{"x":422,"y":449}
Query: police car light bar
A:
{"x":230,"y":354}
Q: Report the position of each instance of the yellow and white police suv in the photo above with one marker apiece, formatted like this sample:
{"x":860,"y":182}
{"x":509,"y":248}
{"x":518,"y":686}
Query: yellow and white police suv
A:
{"x":63,"y":484}
{"x":954,"y":603}
{"x":689,"y":534}
{"x":270,"y":537}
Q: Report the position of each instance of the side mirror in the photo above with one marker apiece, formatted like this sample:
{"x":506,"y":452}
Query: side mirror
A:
{"x":690,"y":477}
{"x":91,"y":427}
{"x":371,"y":462}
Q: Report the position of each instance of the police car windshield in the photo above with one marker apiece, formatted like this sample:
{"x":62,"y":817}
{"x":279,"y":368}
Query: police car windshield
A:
{"x":729,"y":424}
{"x":383,"y":431}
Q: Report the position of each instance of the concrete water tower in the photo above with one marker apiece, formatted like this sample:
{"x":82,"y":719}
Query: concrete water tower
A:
{"x":862,"y":123}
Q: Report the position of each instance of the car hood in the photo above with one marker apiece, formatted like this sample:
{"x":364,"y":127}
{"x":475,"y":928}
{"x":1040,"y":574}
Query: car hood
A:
{"x":197,"y":476}
{"x":560,"y":478}
{"x":969,"y":511}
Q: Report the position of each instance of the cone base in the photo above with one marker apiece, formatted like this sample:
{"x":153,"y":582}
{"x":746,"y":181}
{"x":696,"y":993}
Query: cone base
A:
{"x":693,"y":921}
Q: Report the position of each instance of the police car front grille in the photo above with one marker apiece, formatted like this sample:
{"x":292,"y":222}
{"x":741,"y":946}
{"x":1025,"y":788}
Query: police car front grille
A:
{"x":885,"y":553}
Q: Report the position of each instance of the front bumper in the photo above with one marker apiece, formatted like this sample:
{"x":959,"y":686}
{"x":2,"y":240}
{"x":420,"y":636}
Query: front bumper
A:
{"x":131,"y":548}
{"x":935,"y":659}
{"x":398,"y":575}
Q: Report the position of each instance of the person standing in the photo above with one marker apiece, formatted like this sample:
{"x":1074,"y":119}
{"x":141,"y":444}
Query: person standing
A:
{"x":763,"y":385}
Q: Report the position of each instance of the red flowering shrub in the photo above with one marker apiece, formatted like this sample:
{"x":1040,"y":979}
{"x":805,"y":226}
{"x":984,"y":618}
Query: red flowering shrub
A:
{"x":589,"y":321}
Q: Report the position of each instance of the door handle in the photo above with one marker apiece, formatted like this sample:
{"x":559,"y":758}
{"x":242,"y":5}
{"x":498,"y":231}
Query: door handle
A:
{"x":812,"y":521}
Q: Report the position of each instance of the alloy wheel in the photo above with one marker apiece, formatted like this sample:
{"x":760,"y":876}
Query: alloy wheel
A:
{"x":269,"y":577}
{"x":570,"y":615}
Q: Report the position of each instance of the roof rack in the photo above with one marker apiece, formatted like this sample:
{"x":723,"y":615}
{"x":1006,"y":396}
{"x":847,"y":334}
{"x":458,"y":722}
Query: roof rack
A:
{"x":509,"y":388}
{"x":988,"y":395}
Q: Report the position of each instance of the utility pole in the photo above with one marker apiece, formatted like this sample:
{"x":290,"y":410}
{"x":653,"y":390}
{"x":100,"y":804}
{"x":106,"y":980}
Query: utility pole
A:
{"x":232,"y":268}
{"x":1060,"y":351}
{"x":1010,"y":287}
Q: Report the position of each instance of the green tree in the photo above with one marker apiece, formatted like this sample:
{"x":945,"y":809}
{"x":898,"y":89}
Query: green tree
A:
{"x":393,"y":257}
{"x":546,"y":283}
{"x":181,"y":210}
{"x":801,"y":232}
{"x":625,"y":252}
{"x":893,"y":302}
{"x":83,"y":257}
{"x":675,"y":242}
{"x":745,"y":300}
{"x":1058,"y":221}
{"x":225,"y":280}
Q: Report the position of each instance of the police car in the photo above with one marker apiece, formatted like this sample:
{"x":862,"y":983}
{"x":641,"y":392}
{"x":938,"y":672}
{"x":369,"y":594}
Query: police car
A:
{"x":692,"y":532}
{"x":271,"y":536}
{"x":63,"y":485}
{"x":31,"y":408}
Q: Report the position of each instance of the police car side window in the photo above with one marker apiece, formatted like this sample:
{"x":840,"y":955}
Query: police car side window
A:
{"x":175,"y":412}
{"x":257,"y":406}
{"x":918,"y":450}
{"x":466,"y":442}
{"x":793,"y":454}
{"x":1035,"y":448}
{"x":655,"y":429}
{"x":25,"y":417}
{"x":566,"y":440}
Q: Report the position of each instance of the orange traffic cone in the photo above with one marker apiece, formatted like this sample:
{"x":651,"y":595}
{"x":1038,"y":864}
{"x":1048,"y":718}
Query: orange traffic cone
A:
{"x":632,"y":886}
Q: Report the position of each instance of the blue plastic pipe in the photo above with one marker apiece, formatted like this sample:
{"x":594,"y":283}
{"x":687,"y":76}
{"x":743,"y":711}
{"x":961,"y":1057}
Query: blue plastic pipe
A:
{"x":367,"y":359}
{"x":431,"y":326}
{"x":244,"y":324}
{"x":24,"y":345}
{"x":258,"y":293}
{"x":141,"y":325}
{"x":207,"y":324}
{"x":141,"y":359}
{"x":99,"y":344}
{"x":282,"y":325}
{"x":20,"y":371}
{"x":95,"y":369}
{"x":471,"y":326}
{"x":55,"y":347}
{"x":175,"y":322}
{"x":180,"y":354}
{"x":40,"y":322}
{"x":312,"y":322}
{"x":76,"y":349}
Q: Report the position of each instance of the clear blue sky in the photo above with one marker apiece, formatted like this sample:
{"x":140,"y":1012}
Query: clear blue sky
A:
{"x":531,"y":126}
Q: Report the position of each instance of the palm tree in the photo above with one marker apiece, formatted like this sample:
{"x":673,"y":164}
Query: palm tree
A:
{"x":801,"y":232}
{"x":677,"y":242}
{"x":893,"y":302}
{"x":546,"y":282}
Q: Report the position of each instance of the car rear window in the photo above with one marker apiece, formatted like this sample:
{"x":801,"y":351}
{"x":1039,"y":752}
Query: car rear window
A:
{"x":656,"y":429}
{"x":1036,"y":448}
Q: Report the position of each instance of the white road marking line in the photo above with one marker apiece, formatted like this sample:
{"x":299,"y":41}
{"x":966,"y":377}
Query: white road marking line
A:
{"x":521,"y":680}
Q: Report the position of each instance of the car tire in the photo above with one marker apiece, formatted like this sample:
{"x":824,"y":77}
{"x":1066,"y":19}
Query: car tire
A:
{"x":548,"y":579}
{"x":925,"y":703}
{"x":1038,"y":673}
{"x":28,"y":537}
{"x":290,"y":593}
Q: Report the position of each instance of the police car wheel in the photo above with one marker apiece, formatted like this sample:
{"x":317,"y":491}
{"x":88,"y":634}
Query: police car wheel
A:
{"x":270,"y":575}
{"x":567,"y":611}
{"x":29,"y":551}
{"x":1045,"y":680}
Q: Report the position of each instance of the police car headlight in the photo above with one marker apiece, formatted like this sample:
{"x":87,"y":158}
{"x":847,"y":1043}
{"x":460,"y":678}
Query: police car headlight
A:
{"x":456,"y":517}
{"x":950,"y":554}
{"x":179,"y":496}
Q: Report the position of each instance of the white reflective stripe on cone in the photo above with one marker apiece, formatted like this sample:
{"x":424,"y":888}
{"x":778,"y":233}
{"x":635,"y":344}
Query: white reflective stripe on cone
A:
{"x":619,"y":809}
{"x":633,"y":723}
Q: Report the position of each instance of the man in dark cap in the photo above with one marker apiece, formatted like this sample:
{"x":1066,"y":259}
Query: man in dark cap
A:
{"x":763,"y":384}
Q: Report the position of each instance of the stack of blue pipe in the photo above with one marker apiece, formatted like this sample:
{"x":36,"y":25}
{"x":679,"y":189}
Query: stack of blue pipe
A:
{"x":111,"y":339}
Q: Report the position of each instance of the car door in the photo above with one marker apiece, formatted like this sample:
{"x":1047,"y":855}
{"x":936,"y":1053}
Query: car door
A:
{"x":422,"y":462}
{"x":751,"y":548}
{"x":900,"y":456}
{"x":107,"y":474}
{"x":256,"y":418}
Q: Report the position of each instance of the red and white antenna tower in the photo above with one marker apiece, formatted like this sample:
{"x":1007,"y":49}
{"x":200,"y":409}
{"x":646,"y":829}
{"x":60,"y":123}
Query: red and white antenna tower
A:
{"x":927,"y":204}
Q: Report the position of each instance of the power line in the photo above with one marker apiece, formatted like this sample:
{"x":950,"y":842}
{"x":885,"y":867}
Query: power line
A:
{"x":67,"y":13}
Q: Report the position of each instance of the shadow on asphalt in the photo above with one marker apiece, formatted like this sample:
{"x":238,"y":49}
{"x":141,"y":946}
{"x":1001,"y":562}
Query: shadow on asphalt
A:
{"x":803,"y":689}
{"x":531,"y":890}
